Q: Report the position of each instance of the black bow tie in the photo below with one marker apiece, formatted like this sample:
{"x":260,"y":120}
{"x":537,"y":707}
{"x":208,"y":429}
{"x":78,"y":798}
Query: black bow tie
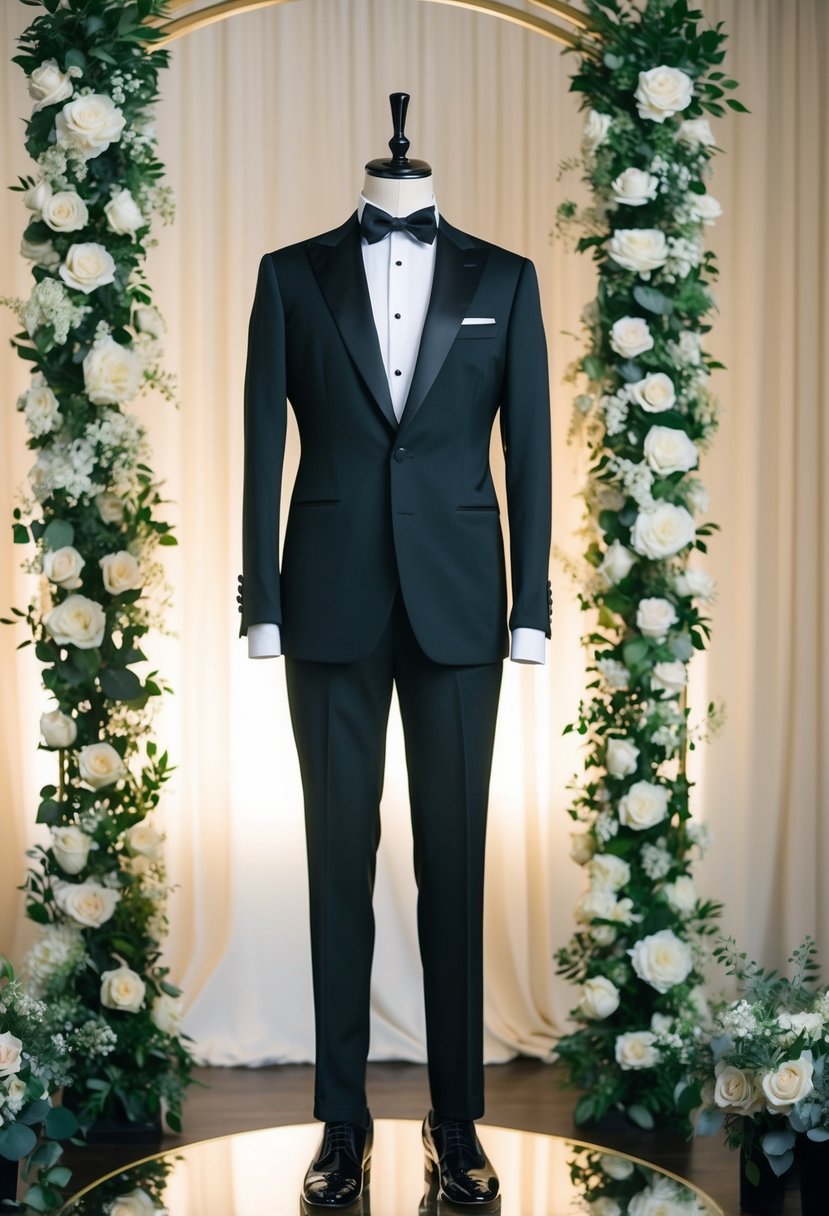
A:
{"x":375,"y":224}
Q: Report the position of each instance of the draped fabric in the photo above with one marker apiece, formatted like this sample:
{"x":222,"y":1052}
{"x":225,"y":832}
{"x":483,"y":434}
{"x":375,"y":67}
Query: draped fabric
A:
{"x":265,"y":125}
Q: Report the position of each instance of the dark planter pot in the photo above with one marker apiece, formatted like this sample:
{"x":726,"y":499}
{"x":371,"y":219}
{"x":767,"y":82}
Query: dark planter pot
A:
{"x":8,"y":1179}
{"x":766,"y":1197}
{"x":121,"y":1131}
{"x":812,"y":1158}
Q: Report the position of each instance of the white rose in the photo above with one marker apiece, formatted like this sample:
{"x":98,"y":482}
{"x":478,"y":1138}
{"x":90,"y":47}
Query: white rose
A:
{"x":697,"y":496}
{"x":65,"y":211}
{"x":662,"y":960}
{"x":149,"y":321}
{"x":618,"y":1168}
{"x":49,"y":85}
{"x":617,"y":562}
{"x":643,"y":806}
{"x":121,"y":572}
{"x":655,"y":616}
{"x":88,"y":903}
{"x":582,"y":847}
{"x":603,"y":1206}
{"x":639,"y":249}
{"x":71,"y":848}
{"x":630,"y":336}
{"x":736,"y":1090}
{"x":603,"y":935}
{"x":77,"y":621}
{"x":704,"y":208}
{"x":16,"y":1091}
{"x":788,"y":1084}
{"x":595,"y":131}
{"x":90,"y":123}
{"x":11,"y":1059}
{"x":63,"y":567}
{"x":41,"y":409}
{"x":636,"y":1049}
{"x":36,"y":196}
{"x":621,"y":757}
{"x":670,"y":678}
{"x":661,"y":1023}
{"x":167,"y":1013}
{"x":134,"y":1203}
{"x":595,"y":905}
{"x":122,"y":988}
{"x":670,"y":450}
{"x":808,"y":1024}
{"x":663,"y":92}
{"x":112,"y":373}
{"x":142,"y":838}
{"x":99,"y":764}
{"x":681,"y":894}
{"x":696,"y":131}
{"x":662,"y":530}
{"x":697,"y":584}
{"x":635,"y":187}
{"x":608,"y":872}
{"x":87,"y":265}
{"x":655,"y":393}
{"x":58,"y":729}
{"x":599,"y":998}
{"x":42,"y":253}
{"x":689,"y":347}
{"x":110,"y":507}
{"x":123,"y":214}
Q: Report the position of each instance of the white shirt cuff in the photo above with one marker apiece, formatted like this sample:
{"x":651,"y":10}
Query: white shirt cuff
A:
{"x":264,"y":641}
{"x":528,"y":646}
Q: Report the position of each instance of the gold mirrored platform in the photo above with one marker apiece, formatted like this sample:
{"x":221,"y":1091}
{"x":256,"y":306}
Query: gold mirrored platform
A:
{"x":260,"y":1174}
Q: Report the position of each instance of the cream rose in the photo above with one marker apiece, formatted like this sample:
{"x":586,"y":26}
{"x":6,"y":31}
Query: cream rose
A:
{"x":63,"y":567}
{"x":639,"y":249}
{"x":121,"y":572}
{"x":142,"y":838}
{"x":42,"y":253}
{"x":663,"y":92}
{"x":11,"y":1058}
{"x":582,"y":847}
{"x":167,"y":1013}
{"x":90,"y":123}
{"x":123,"y":214}
{"x":617,"y":562}
{"x":696,"y":584}
{"x":608,"y":872}
{"x":595,"y":905}
{"x":87,"y":903}
{"x":40,"y":409}
{"x":603,"y":1206}
{"x":630,"y":336}
{"x":618,"y":1168}
{"x":77,"y":621}
{"x":599,"y":998}
{"x":112,"y":373}
{"x":655,"y":616}
{"x":36,"y":196}
{"x":635,"y":187}
{"x":704,"y":208}
{"x":669,"y":450}
{"x":87,"y":265}
{"x":595,"y":131}
{"x":662,"y":960}
{"x":669,"y":678}
{"x":736,"y":1090}
{"x":133,"y":1203}
{"x":122,"y":988}
{"x":71,"y":848}
{"x":643,"y":806}
{"x":681,"y":894}
{"x":65,"y":211}
{"x":621,"y":757}
{"x":49,"y":85}
{"x":99,"y":764}
{"x":655,"y":393}
{"x":662,"y":530}
{"x":696,"y":131}
{"x":636,"y":1049}
{"x":58,"y":729}
{"x":148,"y":320}
{"x":110,"y":507}
{"x":788,"y":1084}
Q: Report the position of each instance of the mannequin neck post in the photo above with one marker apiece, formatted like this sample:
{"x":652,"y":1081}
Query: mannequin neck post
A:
{"x":399,"y":196}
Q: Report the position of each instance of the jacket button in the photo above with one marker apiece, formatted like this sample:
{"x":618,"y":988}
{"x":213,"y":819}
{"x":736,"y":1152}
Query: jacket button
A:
{"x":400,"y":455}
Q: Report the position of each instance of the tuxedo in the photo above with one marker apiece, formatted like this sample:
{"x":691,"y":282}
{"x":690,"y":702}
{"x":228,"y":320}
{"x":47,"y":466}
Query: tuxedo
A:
{"x":393,"y":573}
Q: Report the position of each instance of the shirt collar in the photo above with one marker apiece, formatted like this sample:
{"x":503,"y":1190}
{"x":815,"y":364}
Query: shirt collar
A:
{"x":363,"y":200}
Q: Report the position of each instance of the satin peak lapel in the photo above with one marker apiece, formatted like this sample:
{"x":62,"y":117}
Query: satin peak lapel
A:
{"x":458,"y":271}
{"x":338,"y":266}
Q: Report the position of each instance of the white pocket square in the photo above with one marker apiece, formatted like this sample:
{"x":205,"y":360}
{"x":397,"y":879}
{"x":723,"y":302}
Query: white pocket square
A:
{"x":478,"y":321}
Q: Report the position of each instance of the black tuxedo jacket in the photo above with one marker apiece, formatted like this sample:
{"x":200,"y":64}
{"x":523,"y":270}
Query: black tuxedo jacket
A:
{"x":375,"y":501}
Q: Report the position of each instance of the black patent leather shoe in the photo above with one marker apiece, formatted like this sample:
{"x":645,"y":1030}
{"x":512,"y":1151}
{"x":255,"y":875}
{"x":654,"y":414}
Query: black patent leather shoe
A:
{"x":340,"y":1169}
{"x":465,"y":1175}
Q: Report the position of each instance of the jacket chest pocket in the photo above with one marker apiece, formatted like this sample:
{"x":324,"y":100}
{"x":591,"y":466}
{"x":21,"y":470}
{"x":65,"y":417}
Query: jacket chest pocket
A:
{"x":473,"y":332}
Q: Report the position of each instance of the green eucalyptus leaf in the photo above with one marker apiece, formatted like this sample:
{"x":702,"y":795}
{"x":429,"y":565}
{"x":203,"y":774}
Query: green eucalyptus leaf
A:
{"x":120,"y":684}
{"x":58,"y":534}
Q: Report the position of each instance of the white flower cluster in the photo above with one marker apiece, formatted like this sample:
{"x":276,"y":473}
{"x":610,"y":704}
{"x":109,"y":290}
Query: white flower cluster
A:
{"x":655,"y":859}
{"x":58,"y":950}
{"x":683,"y":255}
{"x":637,"y":477}
{"x":50,"y":304}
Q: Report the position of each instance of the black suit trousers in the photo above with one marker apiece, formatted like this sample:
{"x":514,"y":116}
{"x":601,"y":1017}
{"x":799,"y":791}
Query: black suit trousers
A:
{"x":339,"y":713}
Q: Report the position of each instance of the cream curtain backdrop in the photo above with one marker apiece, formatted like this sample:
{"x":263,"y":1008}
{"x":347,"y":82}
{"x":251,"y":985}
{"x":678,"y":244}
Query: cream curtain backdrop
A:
{"x":265,"y":124}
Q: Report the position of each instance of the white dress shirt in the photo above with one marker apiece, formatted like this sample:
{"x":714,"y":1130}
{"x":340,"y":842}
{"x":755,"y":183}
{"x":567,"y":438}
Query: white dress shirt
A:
{"x":399,"y":271}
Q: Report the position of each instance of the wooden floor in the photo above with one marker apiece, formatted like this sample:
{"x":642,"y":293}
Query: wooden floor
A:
{"x":524,"y":1094}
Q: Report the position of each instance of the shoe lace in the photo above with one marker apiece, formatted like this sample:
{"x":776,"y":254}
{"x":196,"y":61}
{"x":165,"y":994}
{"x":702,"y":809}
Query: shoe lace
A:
{"x":339,"y":1136}
{"x":458,"y":1134}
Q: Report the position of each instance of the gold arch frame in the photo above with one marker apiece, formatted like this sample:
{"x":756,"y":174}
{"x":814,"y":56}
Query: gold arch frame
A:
{"x":176,"y":27}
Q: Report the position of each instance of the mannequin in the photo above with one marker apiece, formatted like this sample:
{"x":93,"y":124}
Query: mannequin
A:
{"x":398,"y":344}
